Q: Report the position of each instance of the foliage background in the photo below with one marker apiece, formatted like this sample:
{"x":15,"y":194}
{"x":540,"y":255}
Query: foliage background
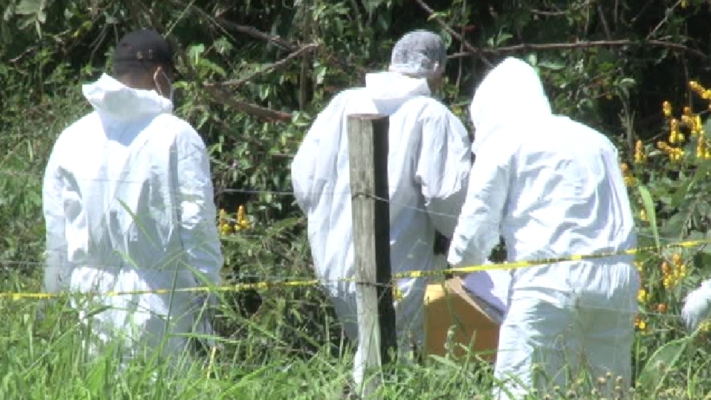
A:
{"x":253,"y":75}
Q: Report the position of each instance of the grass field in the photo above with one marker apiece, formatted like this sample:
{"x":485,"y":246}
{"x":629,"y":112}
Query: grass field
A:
{"x":42,"y":359}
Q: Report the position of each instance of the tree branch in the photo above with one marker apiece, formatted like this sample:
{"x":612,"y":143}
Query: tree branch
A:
{"x":270,"y":67}
{"x":247,"y":30}
{"x":221,"y":96}
{"x":468,"y":46}
{"x":558,"y":12}
{"x":581,"y":45}
{"x":257,"y":34}
{"x":216,"y":93}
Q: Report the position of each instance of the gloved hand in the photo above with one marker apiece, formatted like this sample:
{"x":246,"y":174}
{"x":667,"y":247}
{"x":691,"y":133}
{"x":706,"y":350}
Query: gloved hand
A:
{"x":697,"y":306}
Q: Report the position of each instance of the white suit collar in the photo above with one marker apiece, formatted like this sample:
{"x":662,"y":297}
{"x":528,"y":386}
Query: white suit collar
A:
{"x":113,"y":98}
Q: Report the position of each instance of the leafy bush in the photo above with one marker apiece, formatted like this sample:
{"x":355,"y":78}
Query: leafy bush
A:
{"x":253,"y":77}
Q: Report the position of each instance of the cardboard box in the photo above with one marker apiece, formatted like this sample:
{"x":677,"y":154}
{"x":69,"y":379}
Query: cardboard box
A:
{"x":476,"y":324}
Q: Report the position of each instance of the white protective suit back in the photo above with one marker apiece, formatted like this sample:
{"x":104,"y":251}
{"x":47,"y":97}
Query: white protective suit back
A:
{"x":428,"y":166}
{"x":128,"y":203}
{"x":552,"y":187}
{"x":568,"y":198}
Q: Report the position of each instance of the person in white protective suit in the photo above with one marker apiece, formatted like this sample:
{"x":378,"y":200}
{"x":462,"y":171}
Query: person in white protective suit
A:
{"x":697,"y":306}
{"x":428,"y":166}
{"x":551,"y":187}
{"x":128,"y":204}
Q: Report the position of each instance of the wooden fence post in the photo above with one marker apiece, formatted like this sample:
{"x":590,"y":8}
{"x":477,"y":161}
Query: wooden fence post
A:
{"x":368,"y":155}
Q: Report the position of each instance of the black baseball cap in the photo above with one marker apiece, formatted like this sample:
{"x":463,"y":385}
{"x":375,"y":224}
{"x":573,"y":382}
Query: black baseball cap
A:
{"x":144,"y":47}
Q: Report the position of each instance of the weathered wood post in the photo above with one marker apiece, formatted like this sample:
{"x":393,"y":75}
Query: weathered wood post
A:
{"x":368,"y":158}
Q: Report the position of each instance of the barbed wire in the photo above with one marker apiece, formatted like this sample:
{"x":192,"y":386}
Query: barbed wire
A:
{"x":269,"y":281}
{"x":288,"y":192}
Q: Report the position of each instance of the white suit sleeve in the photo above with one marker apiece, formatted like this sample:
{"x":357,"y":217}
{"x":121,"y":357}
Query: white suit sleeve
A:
{"x":443,"y":169}
{"x":303,"y":166}
{"x":196,"y":207}
{"x":56,"y":269}
{"x":478,"y":229}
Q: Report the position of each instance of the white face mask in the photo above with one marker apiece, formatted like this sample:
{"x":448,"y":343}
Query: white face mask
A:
{"x":155,"y":80}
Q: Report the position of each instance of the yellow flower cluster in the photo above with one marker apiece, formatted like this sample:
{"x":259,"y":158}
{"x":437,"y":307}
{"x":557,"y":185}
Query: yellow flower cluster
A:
{"x":241,"y":222}
{"x":627,"y":175}
{"x":702,"y":148}
{"x":667,"y":109}
{"x":705,"y":326}
{"x":642,"y":296}
{"x":689,"y":120}
{"x":672,"y":275}
{"x":701,"y":91}
{"x":639,"y":155}
{"x":692,"y":121}
{"x":675,"y":135}
{"x":640,"y":324}
{"x":675,"y":154}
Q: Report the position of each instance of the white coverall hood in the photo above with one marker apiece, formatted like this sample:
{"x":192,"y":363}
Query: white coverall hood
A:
{"x":510,"y":93}
{"x":128,"y":205}
{"x":552,"y":188}
{"x":113,"y":99}
{"x":428,"y":167}
{"x":388,"y":90}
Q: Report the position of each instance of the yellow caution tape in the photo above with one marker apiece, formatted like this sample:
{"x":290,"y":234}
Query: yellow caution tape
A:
{"x":406,"y":274}
{"x":533,"y":263}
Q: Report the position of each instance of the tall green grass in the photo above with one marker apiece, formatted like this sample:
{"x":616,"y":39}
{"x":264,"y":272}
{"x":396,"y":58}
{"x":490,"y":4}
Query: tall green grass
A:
{"x":41,"y":357}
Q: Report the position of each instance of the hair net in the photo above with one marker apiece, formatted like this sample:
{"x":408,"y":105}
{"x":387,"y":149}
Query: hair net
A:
{"x":419,"y":53}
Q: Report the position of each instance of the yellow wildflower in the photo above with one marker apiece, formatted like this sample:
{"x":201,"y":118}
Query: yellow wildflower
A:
{"x":639,"y":266}
{"x":702,"y":148}
{"x":643,"y":215}
{"x":642,"y":296}
{"x":697,"y":128}
{"x":242,"y":221}
{"x":639,"y":156}
{"x":675,"y":154}
{"x":667,"y":109}
{"x":673,"y":274}
{"x":224,"y":225}
{"x":640,"y":323}
{"x":697,"y":88}
{"x":675,"y":135}
{"x":627,"y":175}
{"x":661,"y":308}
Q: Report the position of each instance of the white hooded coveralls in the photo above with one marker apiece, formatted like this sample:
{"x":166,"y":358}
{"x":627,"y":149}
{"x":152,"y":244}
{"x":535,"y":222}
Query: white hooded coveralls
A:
{"x":428,"y":167}
{"x":551,"y":187}
{"x":128,"y":205}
